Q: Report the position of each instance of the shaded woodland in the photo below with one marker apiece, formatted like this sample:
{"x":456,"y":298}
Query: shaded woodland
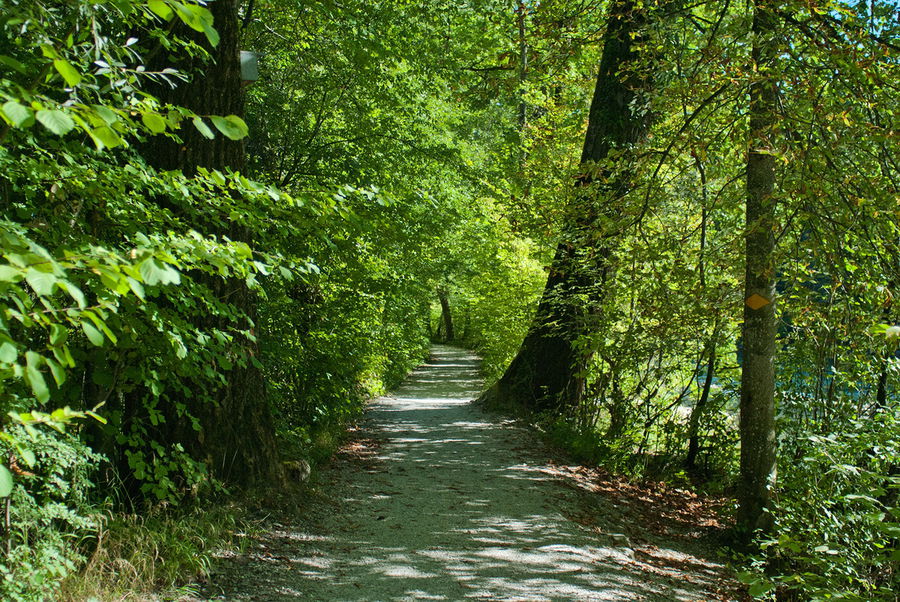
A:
{"x":670,"y":230}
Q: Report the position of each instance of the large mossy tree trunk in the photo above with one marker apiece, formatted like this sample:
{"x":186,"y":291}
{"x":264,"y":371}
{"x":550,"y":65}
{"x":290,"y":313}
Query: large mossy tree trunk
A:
{"x":548,"y":372}
{"x":757,"y":426}
{"x":236,"y":437}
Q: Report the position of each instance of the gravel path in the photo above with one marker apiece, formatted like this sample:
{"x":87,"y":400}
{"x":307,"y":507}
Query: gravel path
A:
{"x":437,"y":500}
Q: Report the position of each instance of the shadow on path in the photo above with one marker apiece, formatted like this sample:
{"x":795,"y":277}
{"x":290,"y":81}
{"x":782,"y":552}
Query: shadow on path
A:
{"x":448,"y":504}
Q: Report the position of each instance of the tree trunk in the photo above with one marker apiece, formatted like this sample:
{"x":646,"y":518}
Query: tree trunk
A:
{"x":236,"y":439}
{"x":446,"y":316}
{"x":690,"y":461}
{"x":618,"y":412}
{"x":697,"y":413}
{"x":548,"y":370}
{"x":881,"y":393}
{"x":758,"y":442}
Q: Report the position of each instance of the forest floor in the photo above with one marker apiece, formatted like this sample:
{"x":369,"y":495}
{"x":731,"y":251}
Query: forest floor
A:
{"x":434,"y":499}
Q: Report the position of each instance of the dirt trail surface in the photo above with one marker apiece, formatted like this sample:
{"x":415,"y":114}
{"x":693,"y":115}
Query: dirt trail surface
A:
{"x":435,"y":499}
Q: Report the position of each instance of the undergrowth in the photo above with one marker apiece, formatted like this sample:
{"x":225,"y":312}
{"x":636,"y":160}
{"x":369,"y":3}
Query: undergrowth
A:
{"x":137,"y":557}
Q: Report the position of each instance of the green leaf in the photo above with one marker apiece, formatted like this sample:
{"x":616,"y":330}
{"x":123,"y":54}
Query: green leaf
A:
{"x":137,"y":288}
{"x":107,"y":136}
{"x":109,"y":333}
{"x":74,"y":292}
{"x":160,"y":8}
{"x":63,"y":356}
{"x":95,"y":416}
{"x":20,"y":115}
{"x":8,"y":352}
{"x":759,"y":588}
{"x":112,"y":279}
{"x":43,"y":283}
{"x":211,"y":34}
{"x":9,"y":273}
{"x":155,"y":272}
{"x":891,"y":529}
{"x":58,"y":372}
{"x":58,"y":334}
{"x":196,"y":17}
{"x":93,"y":335}
{"x":6,"y":481}
{"x":57,"y":122}
{"x":218,"y":178}
{"x":203,"y":128}
{"x":35,"y":378}
{"x":243,"y":250}
{"x":232,"y":126}
{"x":28,"y":457}
{"x":13,"y":64}
{"x":155,"y":123}
{"x":106,"y":114}
{"x":68,"y":72}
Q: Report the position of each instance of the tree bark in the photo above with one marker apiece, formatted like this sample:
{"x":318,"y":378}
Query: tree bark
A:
{"x":548,"y":370}
{"x":446,"y":315}
{"x":690,"y":461}
{"x":697,"y":413}
{"x":881,"y":392}
{"x":757,"y":421}
{"x":214,"y":88}
{"x":881,"y":397}
{"x":236,"y":439}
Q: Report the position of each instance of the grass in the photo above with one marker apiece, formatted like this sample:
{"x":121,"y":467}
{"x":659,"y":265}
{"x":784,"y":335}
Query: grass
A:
{"x":162,"y":554}
{"x":155,"y":556}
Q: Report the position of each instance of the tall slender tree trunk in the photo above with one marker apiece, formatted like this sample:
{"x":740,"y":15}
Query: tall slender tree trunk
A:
{"x":548,"y":370}
{"x":881,"y":393}
{"x":758,"y":460}
{"x":700,"y":408}
{"x":693,"y":433}
{"x":446,"y":314}
{"x":236,"y":438}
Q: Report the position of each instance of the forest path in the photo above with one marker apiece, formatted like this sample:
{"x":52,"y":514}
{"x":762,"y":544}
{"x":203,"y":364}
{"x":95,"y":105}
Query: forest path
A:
{"x":437,"y":500}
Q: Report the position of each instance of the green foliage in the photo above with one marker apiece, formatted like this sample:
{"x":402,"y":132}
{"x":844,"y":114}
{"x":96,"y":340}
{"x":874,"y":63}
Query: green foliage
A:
{"x":134,"y":557}
{"x":398,"y":152}
{"x":98,"y":72}
{"x":51,"y":513}
{"x":496,"y":304}
{"x":676,"y":265}
{"x":111,"y":277}
{"x":370,"y":102}
{"x":838,"y":519}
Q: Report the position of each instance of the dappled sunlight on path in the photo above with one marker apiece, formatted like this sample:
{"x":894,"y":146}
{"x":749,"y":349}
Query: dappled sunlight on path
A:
{"x":448,"y":504}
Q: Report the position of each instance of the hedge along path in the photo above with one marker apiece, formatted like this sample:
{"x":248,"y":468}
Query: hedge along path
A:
{"x":438,"y":500}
